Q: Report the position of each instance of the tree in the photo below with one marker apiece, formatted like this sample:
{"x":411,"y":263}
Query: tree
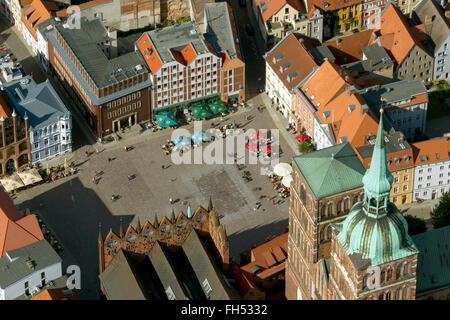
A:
{"x":416,"y":225}
{"x":441,"y":214}
{"x":305,"y":146}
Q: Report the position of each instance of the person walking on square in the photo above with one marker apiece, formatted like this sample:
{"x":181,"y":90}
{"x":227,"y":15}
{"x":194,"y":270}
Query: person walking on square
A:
{"x":171,"y":200}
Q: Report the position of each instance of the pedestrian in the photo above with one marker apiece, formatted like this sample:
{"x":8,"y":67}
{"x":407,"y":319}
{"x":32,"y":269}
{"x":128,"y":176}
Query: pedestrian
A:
{"x":273,"y":202}
{"x":126,"y":148}
{"x":96,"y":150}
{"x":171,"y":200}
{"x":163,"y":167}
{"x":87,"y":153}
{"x":109,"y":159}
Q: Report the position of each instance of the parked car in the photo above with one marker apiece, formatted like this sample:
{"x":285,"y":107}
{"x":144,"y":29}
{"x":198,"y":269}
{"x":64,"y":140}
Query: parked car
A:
{"x":242,"y":3}
{"x":249,"y":30}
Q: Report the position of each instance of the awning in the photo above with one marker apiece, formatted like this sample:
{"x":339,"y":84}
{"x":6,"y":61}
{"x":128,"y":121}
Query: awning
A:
{"x":11,"y":182}
{"x":201,"y":112}
{"x":217,"y":107}
{"x":166,"y":120}
{"x":30,"y":176}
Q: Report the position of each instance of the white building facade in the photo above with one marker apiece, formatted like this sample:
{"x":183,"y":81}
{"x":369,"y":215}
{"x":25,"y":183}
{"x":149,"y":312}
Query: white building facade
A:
{"x":278,"y":92}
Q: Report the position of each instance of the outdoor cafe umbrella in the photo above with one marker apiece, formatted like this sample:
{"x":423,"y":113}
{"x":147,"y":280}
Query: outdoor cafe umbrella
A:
{"x":257,"y":135}
{"x":198,"y":136}
{"x":266,"y":149}
{"x":181,"y":141}
{"x":251,"y":146}
{"x":166,"y":120}
{"x":287,"y":180}
{"x":282,"y":169}
{"x":302,"y":137}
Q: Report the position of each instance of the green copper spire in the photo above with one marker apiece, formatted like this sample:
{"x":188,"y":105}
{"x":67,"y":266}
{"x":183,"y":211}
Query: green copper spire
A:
{"x":377,"y":179}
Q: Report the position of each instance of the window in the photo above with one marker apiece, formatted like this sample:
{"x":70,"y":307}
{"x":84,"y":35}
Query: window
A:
{"x":170,"y":294}
{"x":206,"y":286}
{"x":36,"y":145}
{"x":56,"y":148}
{"x":46,"y":141}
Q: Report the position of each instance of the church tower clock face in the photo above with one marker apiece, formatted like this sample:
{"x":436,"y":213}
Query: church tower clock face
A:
{"x":299,"y":294}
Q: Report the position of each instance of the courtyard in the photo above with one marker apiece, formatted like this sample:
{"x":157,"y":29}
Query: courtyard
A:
{"x":74,"y":206}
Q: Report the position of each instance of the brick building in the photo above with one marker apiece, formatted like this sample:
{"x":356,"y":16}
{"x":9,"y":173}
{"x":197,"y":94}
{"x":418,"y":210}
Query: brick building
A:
{"x":14,"y":140}
{"x":370,"y":255}
{"x":187,"y":66}
{"x":180,"y":258}
{"x":111,"y":92}
{"x":326,"y":184}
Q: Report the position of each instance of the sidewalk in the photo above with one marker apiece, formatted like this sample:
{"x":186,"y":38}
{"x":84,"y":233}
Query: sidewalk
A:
{"x":280,"y":121}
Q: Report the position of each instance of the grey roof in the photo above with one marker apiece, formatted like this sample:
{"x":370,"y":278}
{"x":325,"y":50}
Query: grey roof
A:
{"x":165,"y":272}
{"x":219,"y":32}
{"x":392,"y":92}
{"x":177,"y":37}
{"x":48,"y":24}
{"x":84,"y":42}
{"x":394,"y":141}
{"x":205,"y":268}
{"x":433,"y":268}
{"x":40,"y":102}
{"x":14,"y":266}
{"x":439,"y":28}
{"x":375,"y":54}
{"x":120,"y":279}
{"x":323,"y":52}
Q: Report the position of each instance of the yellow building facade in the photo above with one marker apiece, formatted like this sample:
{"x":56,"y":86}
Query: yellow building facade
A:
{"x":350,"y":18}
{"x":402,"y":187}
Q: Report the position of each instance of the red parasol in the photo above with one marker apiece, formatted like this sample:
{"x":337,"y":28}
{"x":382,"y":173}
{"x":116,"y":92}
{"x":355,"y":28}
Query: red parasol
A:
{"x":266,"y":149}
{"x":257,"y":135}
{"x":251,"y":146}
{"x":302,"y":137}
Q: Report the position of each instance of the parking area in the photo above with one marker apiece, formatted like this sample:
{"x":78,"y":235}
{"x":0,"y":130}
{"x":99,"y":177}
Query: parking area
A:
{"x":74,"y":206}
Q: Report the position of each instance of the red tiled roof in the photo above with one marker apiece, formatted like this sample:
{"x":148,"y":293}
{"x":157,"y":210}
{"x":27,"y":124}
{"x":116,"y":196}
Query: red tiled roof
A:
{"x":63,"y":12}
{"x":36,"y":13}
{"x":16,"y":231}
{"x":149,"y":53}
{"x":273,"y":6}
{"x":56,"y":294}
{"x":5,"y":109}
{"x":332,"y":4}
{"x":396,"y":35}
{"x":432,"y":150}
{"x":300,"y":55}
{"x":349,"y":48}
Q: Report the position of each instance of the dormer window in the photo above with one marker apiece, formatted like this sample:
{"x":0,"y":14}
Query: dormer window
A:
{"x":306,"y":89}
{"x":312,"y":97}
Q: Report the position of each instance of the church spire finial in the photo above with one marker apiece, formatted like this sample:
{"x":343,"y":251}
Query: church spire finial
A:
{"x":210,"y":205}
{"x":378,"y":180}
{"x":156,"y":222}
{"x":138,"y":227}
{"x":173,"y":219}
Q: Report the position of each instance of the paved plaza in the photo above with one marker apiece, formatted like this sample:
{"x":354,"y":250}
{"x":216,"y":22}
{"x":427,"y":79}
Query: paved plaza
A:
{"x":74,"y":206}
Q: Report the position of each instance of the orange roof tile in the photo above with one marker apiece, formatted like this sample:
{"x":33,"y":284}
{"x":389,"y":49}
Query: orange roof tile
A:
{"x":299,"y":54}
{"x":56,"y":294}
{"x":16,"y":231}
{"x":349,"y":48}
{"x":332,"y":5}
{"x":273,"y":6}
{"x":432,"y":150}
{"x":188,"y":53}
{"x":396,"y":35}
{"x":63,"y":12}
{"x":149,"y":53}
{"x":243,"y":283}
{"x":328,"y":81}
{"x":37,"y":12}
{"x":5,"y":109}
{"x":263,"y":254}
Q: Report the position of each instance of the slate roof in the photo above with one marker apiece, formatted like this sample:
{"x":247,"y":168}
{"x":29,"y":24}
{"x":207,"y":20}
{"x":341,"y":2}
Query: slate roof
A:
{"x":219,"y":32}
{"x":433,"y":263}
{"x":40,"y":101}
{"x":122,"y":281}
{"x":183,"y":268}
{"x":177,"y":36}
{"x":331,"y":170}
{"x":103,"y":71}
{"x":374,"y":54}
{"x":40,"y":253}
{"x":439,"y":28}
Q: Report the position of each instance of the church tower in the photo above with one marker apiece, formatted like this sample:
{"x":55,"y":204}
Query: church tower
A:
{"x":372,"y":255}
